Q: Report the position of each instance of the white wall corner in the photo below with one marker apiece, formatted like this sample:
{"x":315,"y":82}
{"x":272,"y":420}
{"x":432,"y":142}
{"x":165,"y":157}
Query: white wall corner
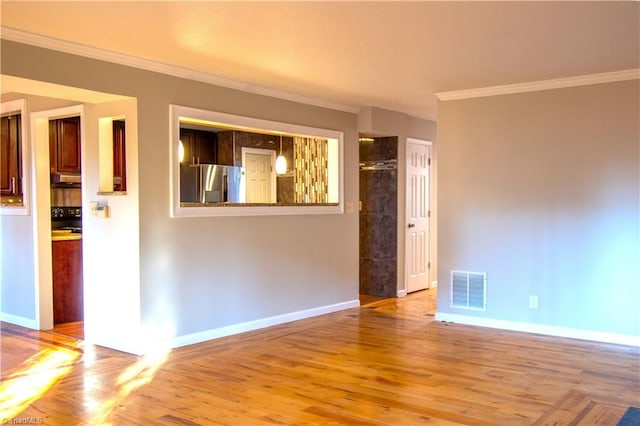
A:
{"x":365,"y":123}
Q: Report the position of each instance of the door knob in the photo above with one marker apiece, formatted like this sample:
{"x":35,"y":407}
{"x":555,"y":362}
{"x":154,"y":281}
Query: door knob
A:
{"x":411,"y":225}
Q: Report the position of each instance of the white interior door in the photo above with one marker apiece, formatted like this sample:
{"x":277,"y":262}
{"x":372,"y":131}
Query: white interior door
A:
{"x":260,"y":174}
{"x":417,"y":215}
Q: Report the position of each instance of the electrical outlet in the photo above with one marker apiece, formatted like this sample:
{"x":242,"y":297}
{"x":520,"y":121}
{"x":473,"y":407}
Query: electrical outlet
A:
{"x":533,"y":302}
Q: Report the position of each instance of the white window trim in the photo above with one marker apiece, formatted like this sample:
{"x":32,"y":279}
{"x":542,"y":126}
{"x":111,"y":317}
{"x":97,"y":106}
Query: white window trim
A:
{"x":24,"y":209}
{"x":176,"y":113}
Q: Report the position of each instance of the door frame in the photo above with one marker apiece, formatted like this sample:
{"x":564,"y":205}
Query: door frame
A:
{"x":267,"y":153}
{"x":43,"y":262}
{"x":405,"y":234}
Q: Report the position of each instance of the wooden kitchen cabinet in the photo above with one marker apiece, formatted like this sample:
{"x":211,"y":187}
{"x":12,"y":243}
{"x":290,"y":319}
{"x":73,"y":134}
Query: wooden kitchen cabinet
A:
{"x":64,"y":145}
{"x":199,"y":146}
{"x":10,"y":147}
{"x":68,"y":301}
{"x":119,"y":156}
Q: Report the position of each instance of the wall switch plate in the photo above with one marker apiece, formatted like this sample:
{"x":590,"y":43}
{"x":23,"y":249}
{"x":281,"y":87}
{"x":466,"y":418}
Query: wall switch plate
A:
{"x":102,"y":211}
{"x":98,"y":210}
{"x":533,"y":302}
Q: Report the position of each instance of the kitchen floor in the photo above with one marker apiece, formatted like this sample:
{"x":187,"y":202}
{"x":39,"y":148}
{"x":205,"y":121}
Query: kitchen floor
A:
{"x":71,"y":329}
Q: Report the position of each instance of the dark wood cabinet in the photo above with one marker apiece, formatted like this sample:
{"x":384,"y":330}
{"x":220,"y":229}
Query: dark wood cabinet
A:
{"x":64,"y":145}
{"x":200,"y":147}
{"x":68,"y":302}
{"x":119,"y":156}
{"x":10,"y":147}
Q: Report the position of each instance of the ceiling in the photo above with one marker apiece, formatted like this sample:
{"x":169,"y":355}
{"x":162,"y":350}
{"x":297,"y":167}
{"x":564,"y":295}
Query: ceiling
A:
{"x":392,"y":55}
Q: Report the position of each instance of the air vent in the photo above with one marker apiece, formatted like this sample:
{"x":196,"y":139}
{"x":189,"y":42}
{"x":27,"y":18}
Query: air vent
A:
{"x":468,"y":290}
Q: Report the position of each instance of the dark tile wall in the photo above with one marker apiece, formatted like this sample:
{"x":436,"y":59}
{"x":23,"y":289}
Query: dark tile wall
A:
{"x":257,"y":140}
{"x":381,"y":149}
{"x":286,"y":188}
{"x":225,"y":148}
{"x":378,"y":220}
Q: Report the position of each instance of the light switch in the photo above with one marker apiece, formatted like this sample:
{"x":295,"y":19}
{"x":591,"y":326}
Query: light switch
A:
{"x":99,"y":210}
{"x":102,"y":212}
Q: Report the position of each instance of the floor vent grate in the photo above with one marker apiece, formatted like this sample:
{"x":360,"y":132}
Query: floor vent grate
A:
{"x":469,"y":290}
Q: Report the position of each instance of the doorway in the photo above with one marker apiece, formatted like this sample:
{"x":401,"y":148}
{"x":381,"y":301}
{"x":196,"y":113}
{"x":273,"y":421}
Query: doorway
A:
{"x":58,"y":221}
{"x":66,"y":224}
{"x":260,"y":174}
{"x":395,"y":240}
{"x":378,"y":179}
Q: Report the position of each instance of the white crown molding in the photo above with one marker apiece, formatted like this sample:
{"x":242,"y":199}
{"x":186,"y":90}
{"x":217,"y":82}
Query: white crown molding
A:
{"x":46,"y":42}
{"x":534,"y":86}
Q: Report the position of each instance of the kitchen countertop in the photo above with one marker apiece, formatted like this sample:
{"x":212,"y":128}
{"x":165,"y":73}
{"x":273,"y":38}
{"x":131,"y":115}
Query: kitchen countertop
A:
{"x":226,"y":204}
{"x":64,"y":235}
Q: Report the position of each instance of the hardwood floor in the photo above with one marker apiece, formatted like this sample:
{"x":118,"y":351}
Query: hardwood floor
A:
{"x":386,"y":363}
{"x":71,"y":329}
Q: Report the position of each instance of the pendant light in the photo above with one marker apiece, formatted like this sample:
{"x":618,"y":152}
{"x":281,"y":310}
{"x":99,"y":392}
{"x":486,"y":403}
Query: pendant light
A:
{"x":281,"y":161}
{"x":180,"y":151}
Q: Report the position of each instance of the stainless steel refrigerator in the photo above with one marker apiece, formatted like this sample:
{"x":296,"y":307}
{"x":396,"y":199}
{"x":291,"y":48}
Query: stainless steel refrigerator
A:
{"x":212,"y":183}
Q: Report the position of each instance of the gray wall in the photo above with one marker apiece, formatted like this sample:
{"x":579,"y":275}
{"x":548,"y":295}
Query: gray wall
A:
{"x":541,"y":191}
{"x":17,"y":292}
{"x":205,"y":273}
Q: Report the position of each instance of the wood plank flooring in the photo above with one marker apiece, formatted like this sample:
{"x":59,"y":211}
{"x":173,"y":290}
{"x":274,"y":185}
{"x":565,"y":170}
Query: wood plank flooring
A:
{"x":385,"y":363}
{"x":72,"y":329}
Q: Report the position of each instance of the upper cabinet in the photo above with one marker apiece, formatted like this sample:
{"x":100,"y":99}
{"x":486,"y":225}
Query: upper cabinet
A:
{"x":199,"y":147}
{"x":64,"y":145}
{"x":10,"y":176}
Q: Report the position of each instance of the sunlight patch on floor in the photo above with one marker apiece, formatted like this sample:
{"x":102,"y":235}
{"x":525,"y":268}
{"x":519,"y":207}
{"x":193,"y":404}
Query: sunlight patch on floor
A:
{"x":135,"y":376}
{"x":33,"y":378}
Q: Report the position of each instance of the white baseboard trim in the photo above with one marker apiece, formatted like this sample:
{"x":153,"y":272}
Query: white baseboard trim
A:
{"x":434,"y":284}
{"x":549,"y":330}
{"x":118,"y":344}
{"x":18,"y":320}
{"x":216,"y":333}
{"x":402,"y":293}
